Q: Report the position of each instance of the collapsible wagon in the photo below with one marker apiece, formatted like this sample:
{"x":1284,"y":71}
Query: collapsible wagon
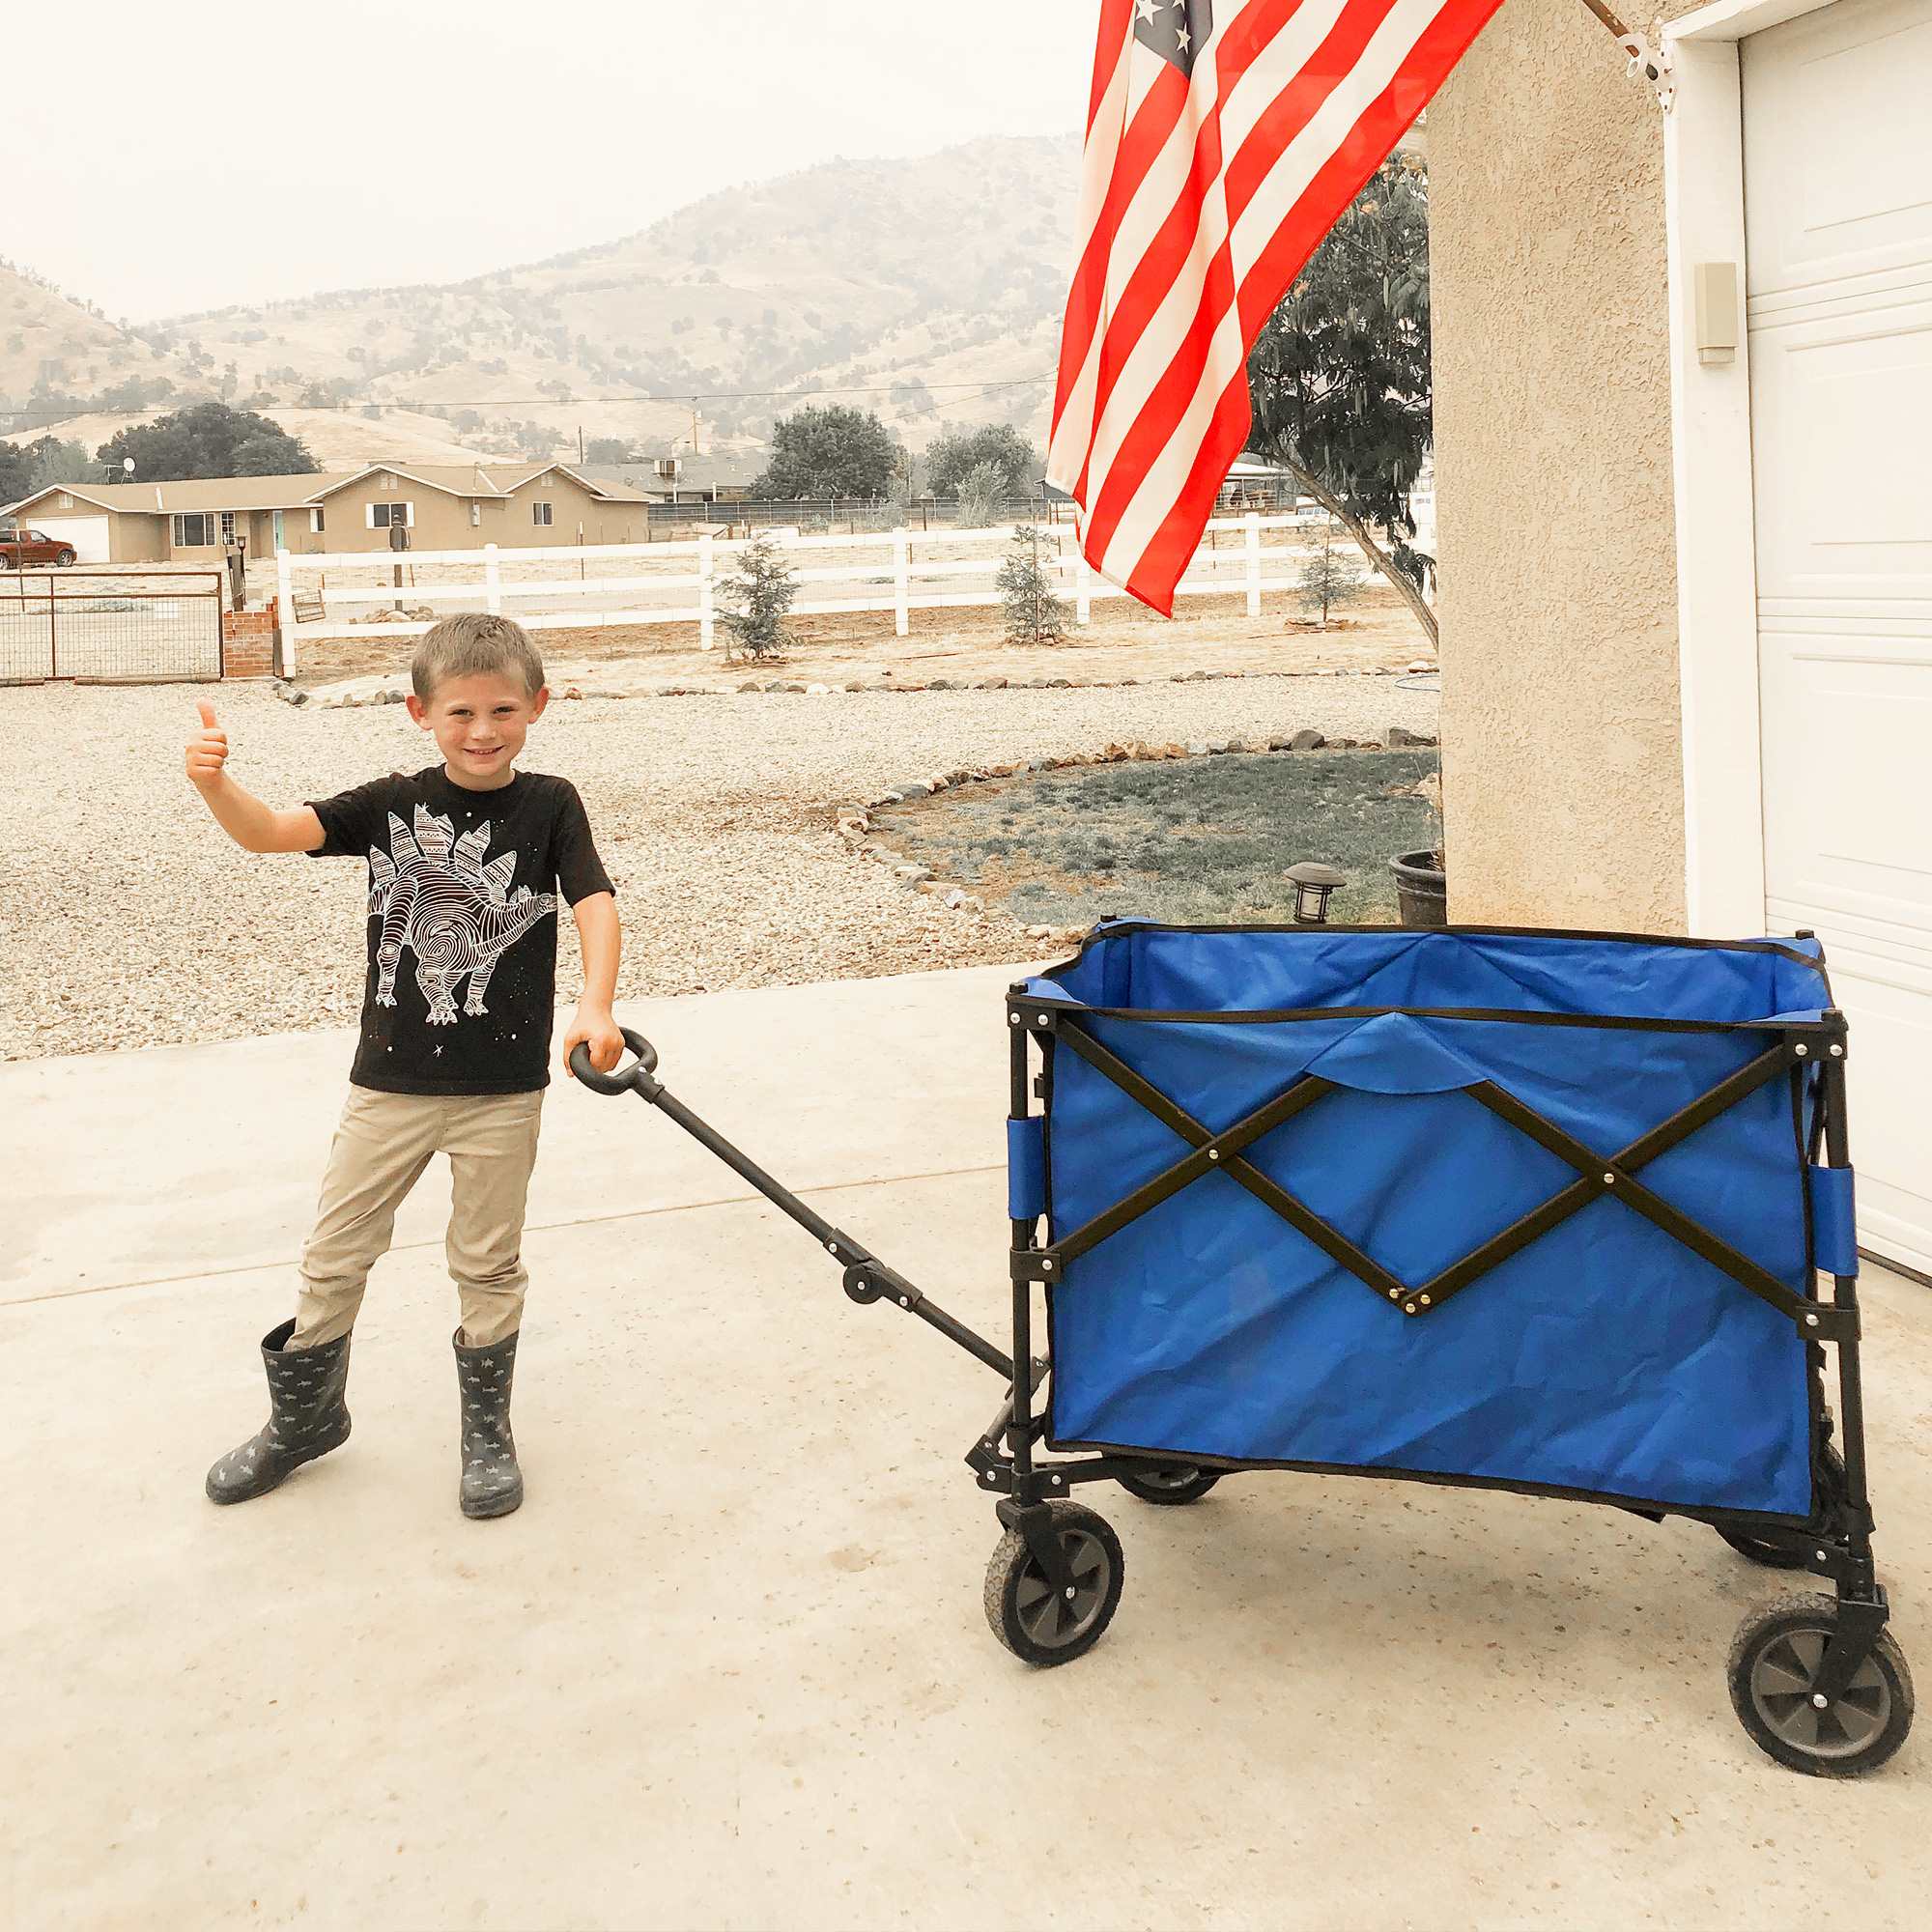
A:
{"x":1535,"y":1211}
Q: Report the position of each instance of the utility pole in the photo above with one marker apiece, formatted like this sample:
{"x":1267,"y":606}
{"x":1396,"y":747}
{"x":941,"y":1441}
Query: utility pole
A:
{"x":580,"y":445}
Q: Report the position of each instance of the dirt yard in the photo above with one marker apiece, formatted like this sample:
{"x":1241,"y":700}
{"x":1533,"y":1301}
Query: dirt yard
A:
{"x":1124,"y":641}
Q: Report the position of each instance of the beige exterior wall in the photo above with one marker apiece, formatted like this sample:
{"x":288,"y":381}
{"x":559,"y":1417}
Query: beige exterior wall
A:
{"x":444,"y":522}
{"x":1562,"y":758}
{"x":136,"y":539}
{"x":572,"y":508}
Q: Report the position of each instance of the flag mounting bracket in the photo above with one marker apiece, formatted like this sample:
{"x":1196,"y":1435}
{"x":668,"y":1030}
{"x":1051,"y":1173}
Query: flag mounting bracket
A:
{"x":1649,"y":57}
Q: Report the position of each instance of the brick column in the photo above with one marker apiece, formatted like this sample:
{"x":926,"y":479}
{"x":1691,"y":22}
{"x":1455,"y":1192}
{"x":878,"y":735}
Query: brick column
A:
{"x":249,"y":641}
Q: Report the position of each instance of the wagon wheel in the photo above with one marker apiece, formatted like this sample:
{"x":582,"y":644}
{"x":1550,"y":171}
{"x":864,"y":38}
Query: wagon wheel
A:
{"x":1170,"y":1482}
{"x":1774,"y":1662}
{"x":1039,"y":1624}
{"x":1761,"y":1549}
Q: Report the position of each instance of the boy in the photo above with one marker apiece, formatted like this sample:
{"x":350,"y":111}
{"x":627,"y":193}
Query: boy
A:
{"x":467,"y":863}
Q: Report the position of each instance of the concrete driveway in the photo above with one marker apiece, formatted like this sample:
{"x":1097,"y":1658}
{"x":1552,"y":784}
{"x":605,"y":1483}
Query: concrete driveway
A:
{"x":727,"y":1666}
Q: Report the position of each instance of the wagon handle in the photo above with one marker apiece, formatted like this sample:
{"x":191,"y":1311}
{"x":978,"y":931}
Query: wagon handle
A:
{"x":635,"y":1078}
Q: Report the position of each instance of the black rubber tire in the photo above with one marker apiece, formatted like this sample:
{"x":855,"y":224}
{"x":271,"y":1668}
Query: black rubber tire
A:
{"x":1774,"y":1656}
{"x":65,"y":560}
{"x":1765,"y":1554}
{"x":1170,"y":1483}
{"x":1020,"y":1605}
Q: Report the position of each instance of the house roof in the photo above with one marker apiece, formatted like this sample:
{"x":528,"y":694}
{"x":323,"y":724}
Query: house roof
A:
{"x":293,"y":493}
{"x":206,"y":493}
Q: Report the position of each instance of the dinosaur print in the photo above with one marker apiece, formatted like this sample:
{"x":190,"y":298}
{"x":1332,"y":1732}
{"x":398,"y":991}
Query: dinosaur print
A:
{"x":435,"y":895}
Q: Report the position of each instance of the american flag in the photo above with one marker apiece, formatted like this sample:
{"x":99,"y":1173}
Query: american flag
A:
{"x":1223,"y":139}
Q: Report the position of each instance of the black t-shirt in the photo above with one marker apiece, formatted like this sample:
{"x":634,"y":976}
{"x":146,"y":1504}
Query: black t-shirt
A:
{"x":463,"y":893}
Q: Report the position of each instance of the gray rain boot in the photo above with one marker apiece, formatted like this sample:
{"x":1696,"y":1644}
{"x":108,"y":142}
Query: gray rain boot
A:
{"x":492,"y":1483}
{"x":307,"y":1418}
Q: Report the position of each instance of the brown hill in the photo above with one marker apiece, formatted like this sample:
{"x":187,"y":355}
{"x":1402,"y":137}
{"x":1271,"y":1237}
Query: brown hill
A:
{"x":931,"y":280}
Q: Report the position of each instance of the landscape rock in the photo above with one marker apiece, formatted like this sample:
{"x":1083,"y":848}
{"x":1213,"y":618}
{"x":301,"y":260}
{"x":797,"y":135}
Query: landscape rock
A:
{"x":1400,"y":736}
{"x":1307,"y":740}
{"x":1199,"y":748}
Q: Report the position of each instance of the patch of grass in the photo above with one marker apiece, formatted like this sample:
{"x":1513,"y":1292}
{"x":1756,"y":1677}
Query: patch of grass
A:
{"x":1207,"y":839}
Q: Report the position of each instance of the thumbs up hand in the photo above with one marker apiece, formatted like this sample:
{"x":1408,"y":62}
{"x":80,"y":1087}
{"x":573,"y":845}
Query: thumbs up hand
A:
{"x":207,"y":749}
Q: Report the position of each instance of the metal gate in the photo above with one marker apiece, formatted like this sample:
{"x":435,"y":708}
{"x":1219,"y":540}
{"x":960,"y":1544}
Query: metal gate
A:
{"x":109,"y":626}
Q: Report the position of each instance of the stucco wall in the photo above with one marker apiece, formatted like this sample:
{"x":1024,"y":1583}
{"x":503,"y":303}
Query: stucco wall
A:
{"x":1562,"y":770}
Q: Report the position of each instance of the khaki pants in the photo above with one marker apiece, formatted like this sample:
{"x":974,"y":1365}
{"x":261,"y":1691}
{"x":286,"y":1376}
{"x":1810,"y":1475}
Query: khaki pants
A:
{"x":383,"y":1143}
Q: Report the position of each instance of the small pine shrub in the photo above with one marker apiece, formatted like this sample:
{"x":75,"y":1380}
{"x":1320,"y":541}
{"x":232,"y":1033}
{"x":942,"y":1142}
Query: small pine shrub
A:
{"x":756,"y":598}
{"x":1035,"y":616}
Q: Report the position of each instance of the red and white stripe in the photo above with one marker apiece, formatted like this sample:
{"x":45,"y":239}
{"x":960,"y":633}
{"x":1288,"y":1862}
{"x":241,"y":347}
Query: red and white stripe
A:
{"x":1201,"y":200}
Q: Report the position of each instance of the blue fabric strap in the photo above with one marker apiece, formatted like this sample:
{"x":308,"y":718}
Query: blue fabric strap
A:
{"x":1026,"y":1168}
{"x":1834,"y":1230}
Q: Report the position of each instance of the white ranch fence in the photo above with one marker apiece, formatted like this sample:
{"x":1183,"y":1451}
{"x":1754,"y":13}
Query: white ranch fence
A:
{"x":900,"y":571}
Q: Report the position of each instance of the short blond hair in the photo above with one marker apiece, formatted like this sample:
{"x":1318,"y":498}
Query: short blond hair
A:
{"x":474,"y":643}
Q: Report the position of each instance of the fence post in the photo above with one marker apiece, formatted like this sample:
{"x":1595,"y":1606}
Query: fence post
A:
{"x":1252,"y":522}
{"x":492,"y":582}
{"x":707,"y":618}
{"x":1083,"y":587}
{"x":285,"y":611}
{"x":902,"y":583}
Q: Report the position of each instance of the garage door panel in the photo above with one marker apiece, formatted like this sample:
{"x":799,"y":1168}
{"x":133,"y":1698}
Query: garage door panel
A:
{"x":88,"y":535}
{"x":1838,"y":178}
{"x":1838,"y":401}
{"x":1839,"y":221}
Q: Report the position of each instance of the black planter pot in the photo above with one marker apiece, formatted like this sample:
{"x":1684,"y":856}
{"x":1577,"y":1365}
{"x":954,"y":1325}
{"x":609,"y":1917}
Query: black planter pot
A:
{"x":1421,"y":889}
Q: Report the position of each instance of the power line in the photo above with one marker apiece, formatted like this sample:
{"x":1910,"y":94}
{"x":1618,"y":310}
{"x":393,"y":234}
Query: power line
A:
{"x":565,"y":402}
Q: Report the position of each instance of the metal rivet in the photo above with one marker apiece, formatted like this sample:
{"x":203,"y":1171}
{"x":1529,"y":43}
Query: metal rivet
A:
{"x":1810,"y":1322}
{"x":1395,"y":1294}
{"x":1012,"y":1019}
{"x":831,"y":1247}
{"x":1056,"y":1481}
{"x":1425,"y":1301}
{"x":1408,"y":1308}
{"x":1818,"y":1698}
{"x":1837,"y":1053}
{"x":1819,"y":1554}
{"x":1069,"y":1593}
{"x":1044,"y":1266}
{"x":1213,"y":1154}
{"x":1801,"y":1049}
{"x":1039,"y":1019}
{"x":1610,"y":1181}
{"x":903,"y":1302}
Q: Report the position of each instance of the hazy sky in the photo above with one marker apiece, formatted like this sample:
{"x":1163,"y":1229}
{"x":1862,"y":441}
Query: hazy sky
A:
{"x":215,"y":157}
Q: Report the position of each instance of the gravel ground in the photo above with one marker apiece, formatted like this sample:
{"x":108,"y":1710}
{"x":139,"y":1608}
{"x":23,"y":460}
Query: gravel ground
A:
{"x":127,"y":918}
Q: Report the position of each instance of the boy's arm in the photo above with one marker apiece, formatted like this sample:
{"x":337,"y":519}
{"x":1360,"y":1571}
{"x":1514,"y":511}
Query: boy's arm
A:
{"x":601,"y":942}
{"x":253,"y":826}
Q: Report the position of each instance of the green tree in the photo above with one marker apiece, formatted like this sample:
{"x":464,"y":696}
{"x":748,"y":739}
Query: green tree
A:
{"x":1326,"y":579}
{"x":981,"y":490}
{"x":833,"y":451}
{"x":954,"y":452}
{"x":607,"y":450}
{"x":58,"y":461}
{"x":208,"y":439}
{"x":757,"y":597}
{"x":16,"y":465}
{"x":1339,"y":376}
{"x":1035,"y":614}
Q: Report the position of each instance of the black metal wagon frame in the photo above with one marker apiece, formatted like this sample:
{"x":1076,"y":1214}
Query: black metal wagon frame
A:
{"x":1819,"y":1684}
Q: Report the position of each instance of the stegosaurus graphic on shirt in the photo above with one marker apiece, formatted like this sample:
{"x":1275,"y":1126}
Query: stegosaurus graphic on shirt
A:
{"x":435,"y":895}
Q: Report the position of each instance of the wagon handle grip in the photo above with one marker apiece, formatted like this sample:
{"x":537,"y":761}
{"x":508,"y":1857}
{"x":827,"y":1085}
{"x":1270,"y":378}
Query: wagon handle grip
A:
{"x":636,"y":1077}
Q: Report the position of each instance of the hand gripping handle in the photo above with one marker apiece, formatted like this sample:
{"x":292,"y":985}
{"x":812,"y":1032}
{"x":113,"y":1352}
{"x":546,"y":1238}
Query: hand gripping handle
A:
{"x":635,"y":1078}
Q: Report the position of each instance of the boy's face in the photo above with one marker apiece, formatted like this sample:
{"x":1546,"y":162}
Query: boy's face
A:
{"x":479,"y":725}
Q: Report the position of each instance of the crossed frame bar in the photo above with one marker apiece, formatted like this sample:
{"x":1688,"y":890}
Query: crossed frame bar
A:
{"x":1598,"y":1175}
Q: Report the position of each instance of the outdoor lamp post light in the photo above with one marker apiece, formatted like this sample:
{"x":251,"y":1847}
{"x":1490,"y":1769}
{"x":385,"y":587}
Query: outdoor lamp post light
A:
{"x":1313,"y":883}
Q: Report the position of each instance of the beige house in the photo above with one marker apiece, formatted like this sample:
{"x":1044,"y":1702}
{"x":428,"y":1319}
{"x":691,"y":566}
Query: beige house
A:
{"x":438,"y":506}
{"x":1683,"y":395}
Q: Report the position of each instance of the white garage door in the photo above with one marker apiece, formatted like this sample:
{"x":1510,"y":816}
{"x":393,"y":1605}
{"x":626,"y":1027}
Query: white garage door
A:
{"x":87,"y":534}
{"x":1838,"y":217}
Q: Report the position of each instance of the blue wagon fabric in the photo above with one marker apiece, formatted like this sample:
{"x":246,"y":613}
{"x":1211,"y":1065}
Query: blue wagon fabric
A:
{"x":1605,"y":1358}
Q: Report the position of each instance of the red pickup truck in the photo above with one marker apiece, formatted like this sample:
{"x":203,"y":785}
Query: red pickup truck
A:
{"x":20,"y":548}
